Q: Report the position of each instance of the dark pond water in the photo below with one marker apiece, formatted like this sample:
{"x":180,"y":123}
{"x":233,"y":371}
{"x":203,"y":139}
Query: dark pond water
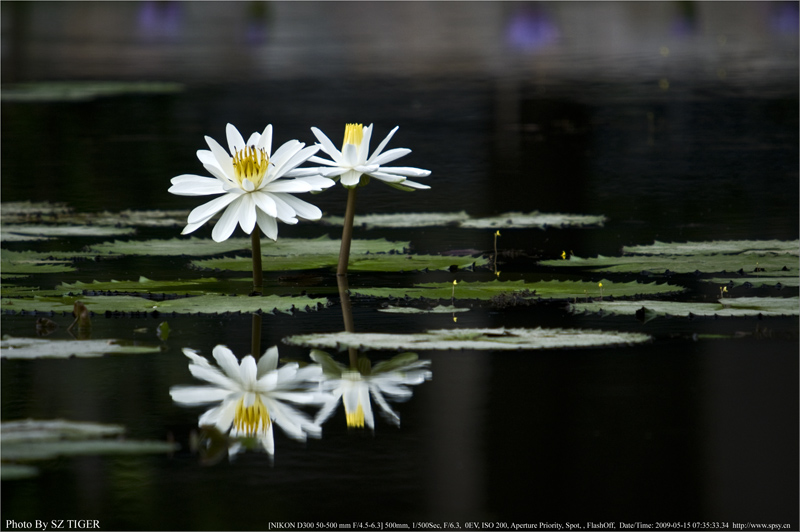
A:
{"x":701,"y":148}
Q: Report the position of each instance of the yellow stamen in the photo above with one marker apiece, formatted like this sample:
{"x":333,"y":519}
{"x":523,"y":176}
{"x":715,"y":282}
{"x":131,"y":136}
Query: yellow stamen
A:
{"x":356,"y":419}
{"x":250,"y":164}
{"x":353,"y":134}
{"x":253,"y":419}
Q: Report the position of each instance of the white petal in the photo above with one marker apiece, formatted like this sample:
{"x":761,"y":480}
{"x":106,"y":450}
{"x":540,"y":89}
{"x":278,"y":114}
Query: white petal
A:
{"x":284,"y":154}
{"x":407,"y":171}
{"x":248,"y":185}
{"x":301,"y":208}
{"x":207,"y":210}
{"x":389,"y":156}
{"x":363,"y":148}
{"x":265,"y":203}
{"x":350,"y":155}
{"x":227,"y":222}
{"x":302,"y":172}
{"x":318,"y":183}
{"x":206,"y":157}
{"x":253,"y":139}
{"x":383,"y":143}
{"x":327,"y":146}
{"x":320,"y":160}
{"x":293,"y":186}
{"x":267,"y":382}
{"x":268,"y":361}
{"x":212,"y":375}
{"x":227,"y":181}
{"x":248,"y":370}
{"x":328,"y":409}
{"x":235,"y":140}
{"x":194,"y":357}
{"x":247,"y":213}
{"x":285,"y":213}
{"x":351,"y":178}
{"x":296,"y":160}
{"x":265,"y":142}
{"x":195,"y":185}
{"x":227,"y":361}
{"x":197,"y":395}
{"x":267,"y":223}
{"x":388,"y":178}
{"x":408,"y":186}
{"x":191,"y":228}
{"x":224,"y":160}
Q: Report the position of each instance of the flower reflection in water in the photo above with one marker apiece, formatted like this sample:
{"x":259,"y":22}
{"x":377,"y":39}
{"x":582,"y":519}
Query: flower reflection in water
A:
{"x":387,"y":379}
{"x":252,"y":396}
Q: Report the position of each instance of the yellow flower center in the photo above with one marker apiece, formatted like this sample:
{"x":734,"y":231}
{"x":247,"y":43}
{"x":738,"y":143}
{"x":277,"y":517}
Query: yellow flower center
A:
{"x":353,"y":134}
{"x":253,"y":419}
{"x":250,"y":164}
{"x":356,"y":419}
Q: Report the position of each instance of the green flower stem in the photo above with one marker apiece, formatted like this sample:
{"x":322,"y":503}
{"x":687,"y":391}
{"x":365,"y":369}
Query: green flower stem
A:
{"x":258,"y":281}
{"x":347,"y":232}
{"x":347,"y":314}
{"x":255,"y":338}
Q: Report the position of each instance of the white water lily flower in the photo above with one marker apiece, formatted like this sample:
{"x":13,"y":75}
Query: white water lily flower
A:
{"x":354,"y":166}
{"x":251,"y":180}
{"x":354,"y":388}
{"x":253,"y":396}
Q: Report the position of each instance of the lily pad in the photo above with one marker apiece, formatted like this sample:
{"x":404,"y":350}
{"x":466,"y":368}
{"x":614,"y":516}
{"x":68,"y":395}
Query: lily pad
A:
{"x":791,"y":247}
{"x":21,"y":262}
{"x":472,"y":339}
{"x":31,"y":440}
{"x":770,"y":264}
{"x":76,"y":91}
{"x":509,"y":220}
{"x":438,"y":309}
{"x":30,"y":348}
{"x":145,"y":285}
{"x":740,"y":306}
{"x":11,"y":233}
{"x":196,"y":247}
{"x":541,"y":289}
{"x":202,"y":304}
{"x":387,"y":262}
{"x":756,"y":282}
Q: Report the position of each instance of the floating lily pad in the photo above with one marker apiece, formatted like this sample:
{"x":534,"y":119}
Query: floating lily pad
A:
{"x":12,"y":233}
{"x":438,"y":309}
{"x":76,"y":91}
{"x":519,"y":220}
{"x":30,"y":348}
{"x":26,"y":212}
{"x":540,"y":289}
{"x":31,"y":440}
{"x":145,"y":285}
{"x":196,"y":247}
{"x":510,"y":220}
{"x":740,"y":306}
{"x":358,"y":262}
{"x":747,"y":263}
{"x":33,"y":262}
{"x":473,"y":339}
{"x":783,"y":247}
{"x":756,"y":282}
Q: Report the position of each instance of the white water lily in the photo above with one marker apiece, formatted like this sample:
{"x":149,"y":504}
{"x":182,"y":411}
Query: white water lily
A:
{"x":354,"y":388}
{"x":354,"y":166}
{"x":253,"y":395}
{"x":252,"y":182}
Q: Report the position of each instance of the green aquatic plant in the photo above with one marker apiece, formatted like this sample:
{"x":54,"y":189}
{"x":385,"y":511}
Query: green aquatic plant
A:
{"x":470,"y":339}
{"x":727,"y":307}
{"x":32,"y":348}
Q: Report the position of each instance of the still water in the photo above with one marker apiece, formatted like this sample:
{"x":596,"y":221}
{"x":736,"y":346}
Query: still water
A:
{"x":680,"y":429}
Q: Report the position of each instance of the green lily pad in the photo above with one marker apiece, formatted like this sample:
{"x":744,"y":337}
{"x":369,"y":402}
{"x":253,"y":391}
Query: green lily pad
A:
{"x":145,"y":285}
{"x":196,"y":247}
{"x":740,"y":306}
{"x":30,"y":348}
{"x":783,"y":247}
{"x":12,"y":233}
{"x":472,"y":339}
{"x":510,"y":220}
{"x":202,"y":304}
{"x":31,"y":440}
{"x":358,"y":262}
{"x":26,"y":212}
{"x":541,"y":289}
{"x":770,"y":264}
{"x":23,"y":262}
{"x":77,"y":91}
{"x":438,"y":309}
{"x":756,"y":282}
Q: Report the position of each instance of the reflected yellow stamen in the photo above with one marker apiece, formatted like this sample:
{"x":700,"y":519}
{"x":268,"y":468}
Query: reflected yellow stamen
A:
{"x":353,"y":134}
{"x":250,"y":164}
{"x":251,"y":420}
{"x":356,"y":419}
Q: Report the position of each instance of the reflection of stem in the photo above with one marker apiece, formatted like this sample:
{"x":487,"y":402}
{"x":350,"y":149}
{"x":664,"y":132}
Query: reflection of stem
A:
{"x":255,"y":339}
{"x":347,"y":314}
{"x":258,"y":282}
{"x":347,"y":232}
